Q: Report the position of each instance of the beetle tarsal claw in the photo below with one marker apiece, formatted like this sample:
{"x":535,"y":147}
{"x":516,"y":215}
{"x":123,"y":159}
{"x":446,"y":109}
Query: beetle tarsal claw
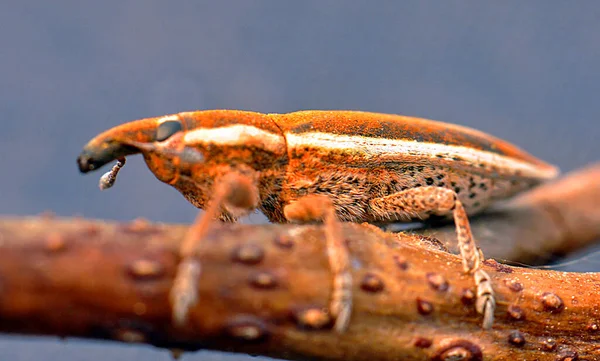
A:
{"x":486,"y":300}
{"x":108,"y":179}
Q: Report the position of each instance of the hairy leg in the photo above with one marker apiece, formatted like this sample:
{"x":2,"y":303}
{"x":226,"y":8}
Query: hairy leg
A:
{"x":443,"y":201}
{"x":234,"y":192}
{"x":320,"y":207}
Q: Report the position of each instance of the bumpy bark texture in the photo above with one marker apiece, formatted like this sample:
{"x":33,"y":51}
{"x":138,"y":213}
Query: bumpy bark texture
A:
{"x":264,"y":289}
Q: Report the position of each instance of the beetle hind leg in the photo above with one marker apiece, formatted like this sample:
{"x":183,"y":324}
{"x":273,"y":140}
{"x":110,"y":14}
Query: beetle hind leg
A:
{"x":320,"y":207}
{"x":443,"y":201}
{"x":233,"y":191}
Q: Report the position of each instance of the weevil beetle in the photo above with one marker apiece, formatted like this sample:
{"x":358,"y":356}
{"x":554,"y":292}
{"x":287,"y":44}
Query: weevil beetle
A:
{"x":330,"y":165}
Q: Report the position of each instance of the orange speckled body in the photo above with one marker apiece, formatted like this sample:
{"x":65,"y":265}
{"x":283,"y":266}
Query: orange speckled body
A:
{"x":381,"y":157}
{"x":328,"y":165}
{"x":350,"y":156}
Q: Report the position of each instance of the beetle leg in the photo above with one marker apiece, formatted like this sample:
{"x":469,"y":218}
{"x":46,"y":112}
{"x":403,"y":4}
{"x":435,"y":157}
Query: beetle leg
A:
{"x":233,"y":191}
{"x":442,"y":201}
{"x":320,"y":207}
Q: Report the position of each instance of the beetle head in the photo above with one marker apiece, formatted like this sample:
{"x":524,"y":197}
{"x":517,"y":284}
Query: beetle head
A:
{"x":157,"y":139}
{"x":191,"y":150}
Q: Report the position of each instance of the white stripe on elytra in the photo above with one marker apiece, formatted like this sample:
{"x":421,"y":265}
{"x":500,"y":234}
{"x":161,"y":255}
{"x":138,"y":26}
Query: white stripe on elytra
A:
{"x":237,"y":134}
{"x":389,"y":149}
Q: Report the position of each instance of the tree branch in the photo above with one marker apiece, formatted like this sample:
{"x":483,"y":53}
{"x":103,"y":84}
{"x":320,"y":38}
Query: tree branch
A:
{"x":264,"y":289}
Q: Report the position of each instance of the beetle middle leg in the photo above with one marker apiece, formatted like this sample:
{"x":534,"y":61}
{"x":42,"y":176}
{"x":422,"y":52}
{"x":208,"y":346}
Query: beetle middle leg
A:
{"x":320,"y":207}
{"x":234,"y":192}
{"x":442,"y":201}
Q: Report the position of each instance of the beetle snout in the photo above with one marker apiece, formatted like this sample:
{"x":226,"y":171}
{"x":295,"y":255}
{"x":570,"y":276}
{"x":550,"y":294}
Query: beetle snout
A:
{"x":95,"y":155}
{"x":116,"y":143}
{"x":86,"y":163}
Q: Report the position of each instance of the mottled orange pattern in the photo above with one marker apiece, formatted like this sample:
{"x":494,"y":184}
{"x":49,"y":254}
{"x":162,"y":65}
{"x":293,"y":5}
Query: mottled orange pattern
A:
{"x":399,"y":127}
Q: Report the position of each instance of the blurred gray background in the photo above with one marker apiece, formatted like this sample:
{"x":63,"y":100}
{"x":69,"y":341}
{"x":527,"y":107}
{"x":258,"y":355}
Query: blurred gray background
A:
{"x":523,"y":71}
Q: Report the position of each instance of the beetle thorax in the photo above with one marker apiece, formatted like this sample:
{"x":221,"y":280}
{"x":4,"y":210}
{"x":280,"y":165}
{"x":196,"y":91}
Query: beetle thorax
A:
{"x":235,"y":148}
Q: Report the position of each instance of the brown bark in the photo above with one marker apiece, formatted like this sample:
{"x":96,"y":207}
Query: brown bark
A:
{"x":263,"y":289}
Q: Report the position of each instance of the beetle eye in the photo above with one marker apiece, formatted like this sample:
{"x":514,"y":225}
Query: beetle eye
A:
{"x":167,"y":129}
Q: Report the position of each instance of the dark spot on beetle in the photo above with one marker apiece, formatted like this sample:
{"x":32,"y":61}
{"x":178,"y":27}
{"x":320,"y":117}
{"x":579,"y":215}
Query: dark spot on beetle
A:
{"x":424,"y":307}
{"x":420,"y":168}
{"x":440,"y":176}
{"x":457,"y":158}
{"x":423,"y":342}
{"x":462,"y":350}
{"x":552,"y":303}
{"x":499,"y":267}
{"x":432,"y":167}
{"x":411,"y":168}
{"x":516,"y":313}
{"x":412,"y":174}
{"x":472,"y":195}
{"x":440,"y":155}
{"x":457,"y":190}
{"x":441,"y":184}
{"x":481,"y":165}
{"x":516,"y":338}
{"x":429,"y":181}
{"x":483,"y":186}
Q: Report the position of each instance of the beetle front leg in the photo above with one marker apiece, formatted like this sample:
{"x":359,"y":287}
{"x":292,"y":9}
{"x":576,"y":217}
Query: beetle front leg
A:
{"x":234,"y":192}
{"x":320,"y":207}
{"x":442,"y":201}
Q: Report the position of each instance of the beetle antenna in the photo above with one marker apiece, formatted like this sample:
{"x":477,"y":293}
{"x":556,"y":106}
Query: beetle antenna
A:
{"x":187,"y":155}
{"x":108,"y":179}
